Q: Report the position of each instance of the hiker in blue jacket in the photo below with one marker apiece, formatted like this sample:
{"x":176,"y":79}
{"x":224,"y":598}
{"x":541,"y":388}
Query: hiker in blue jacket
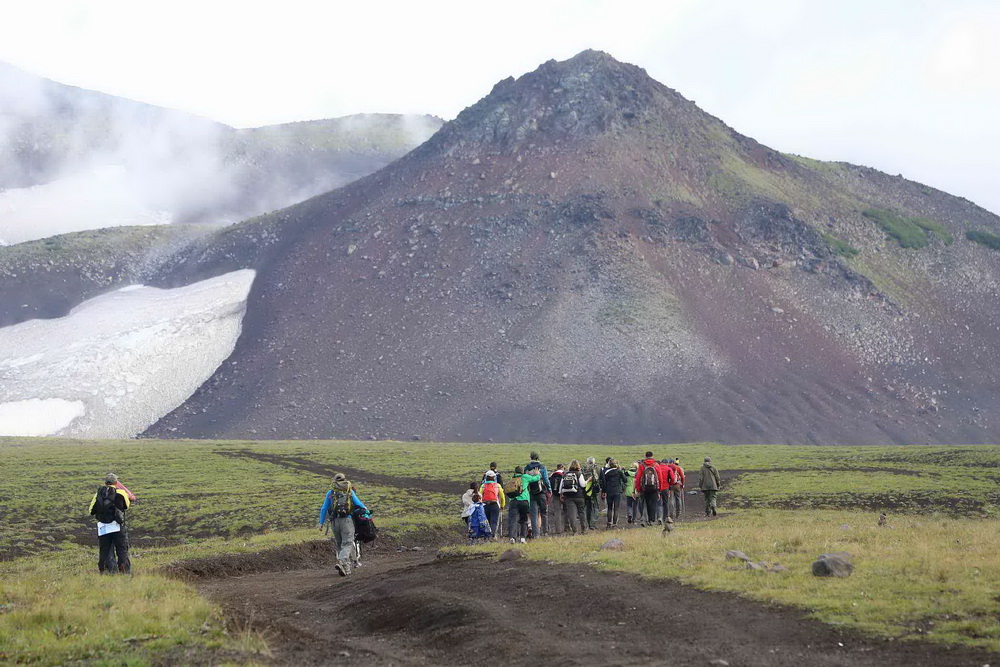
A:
{"x":338,"y":505}
{"x":538,"y":496}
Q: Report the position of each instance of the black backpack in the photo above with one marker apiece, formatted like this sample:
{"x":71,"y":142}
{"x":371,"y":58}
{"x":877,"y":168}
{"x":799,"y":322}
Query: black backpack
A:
{"x":364,"y":527}
{"x":105,"y":508}
{"x":536,"y":487}
{"x":571,"y":482}
{"x":650,"y":480}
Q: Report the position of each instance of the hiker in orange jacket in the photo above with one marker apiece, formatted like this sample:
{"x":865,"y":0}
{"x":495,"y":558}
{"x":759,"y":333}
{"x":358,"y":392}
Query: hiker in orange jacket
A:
{"x":494,"y":500}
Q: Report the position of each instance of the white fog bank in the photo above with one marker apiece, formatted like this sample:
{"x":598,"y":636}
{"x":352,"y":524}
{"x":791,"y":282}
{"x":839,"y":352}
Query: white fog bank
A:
{"x":117,"y":363}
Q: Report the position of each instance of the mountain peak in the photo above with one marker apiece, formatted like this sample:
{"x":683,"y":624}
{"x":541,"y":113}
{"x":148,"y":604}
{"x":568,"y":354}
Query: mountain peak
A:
{"x":587,"y":95}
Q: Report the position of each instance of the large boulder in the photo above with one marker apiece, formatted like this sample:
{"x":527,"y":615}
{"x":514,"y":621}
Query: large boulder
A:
{"x":833,"y":565}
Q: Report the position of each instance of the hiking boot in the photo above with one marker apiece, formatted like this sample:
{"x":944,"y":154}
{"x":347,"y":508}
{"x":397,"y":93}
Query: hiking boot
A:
{"x":714,"y":513}
{"x":512,"y":540}
{"x":340,"y":570}
{"x":522,"y":540}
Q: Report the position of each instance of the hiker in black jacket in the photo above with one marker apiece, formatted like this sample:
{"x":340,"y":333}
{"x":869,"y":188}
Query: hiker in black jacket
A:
{"x":109,"y":505}
{"x":613,"y":485}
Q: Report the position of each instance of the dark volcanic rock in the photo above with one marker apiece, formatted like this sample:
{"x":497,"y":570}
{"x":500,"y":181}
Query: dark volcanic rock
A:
{"x":586,"y":256}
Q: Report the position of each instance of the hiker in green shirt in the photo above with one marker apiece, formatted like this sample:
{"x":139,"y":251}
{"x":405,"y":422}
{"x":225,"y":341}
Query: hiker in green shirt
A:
{"x":518,"y":494}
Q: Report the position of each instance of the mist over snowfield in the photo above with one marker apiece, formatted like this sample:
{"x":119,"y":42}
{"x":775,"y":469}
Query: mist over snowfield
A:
{"x":118,"y":362}
{"x":74,"y":159}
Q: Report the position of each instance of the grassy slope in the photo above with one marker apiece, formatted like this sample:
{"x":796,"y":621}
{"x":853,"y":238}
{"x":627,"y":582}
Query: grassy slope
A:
{"x":196,"y":499}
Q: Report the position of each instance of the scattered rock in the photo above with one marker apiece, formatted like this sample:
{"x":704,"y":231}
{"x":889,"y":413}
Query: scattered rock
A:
{"x":613,"y":545}
{"x":757,"y":567}
{"x":416,"y":548}
{"x":720,"y":662}
{"x":777,"y":568}
{"x":833,"y":565}
{"x":883,"y":519}
{"x":734,"y":554}
{"x":511,"y":554}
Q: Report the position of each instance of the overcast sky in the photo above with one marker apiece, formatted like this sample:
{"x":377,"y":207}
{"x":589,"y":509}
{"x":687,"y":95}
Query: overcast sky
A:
{"x":907,"y":86}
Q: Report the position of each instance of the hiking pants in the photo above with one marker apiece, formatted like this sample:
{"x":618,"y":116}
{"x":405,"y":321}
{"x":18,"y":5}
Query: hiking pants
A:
{"x":522,"y":517}
{"x":112,"y":547}
{"x":511,"y":517}
{"x":709,"y":500}
{"x":492,"y":516}
{"x":651,"y":499}
{"x":677,"y":498}
{"x":593,"y":508}
{"x":539,"y":507}
{"x":631,"y":508}
{"x":664,"y":504}
{"x":614,"y":501}
{"x":575,"y":515}
{"x":343,"y":537}
{"x":556,"y":516}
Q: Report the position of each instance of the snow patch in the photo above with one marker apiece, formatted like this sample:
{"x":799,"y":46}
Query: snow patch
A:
{"x":38,"y":416}
{"x":127,"y":357}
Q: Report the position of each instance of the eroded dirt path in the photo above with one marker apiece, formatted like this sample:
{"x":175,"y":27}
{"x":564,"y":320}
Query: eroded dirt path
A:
{"x":412,"y":608}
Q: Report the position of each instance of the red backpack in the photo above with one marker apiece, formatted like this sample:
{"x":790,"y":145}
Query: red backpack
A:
{"x":490,"y":492}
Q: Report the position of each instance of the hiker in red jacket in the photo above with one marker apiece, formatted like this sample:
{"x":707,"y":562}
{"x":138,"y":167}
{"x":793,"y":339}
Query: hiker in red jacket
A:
{"x":677,"y":489}
{"x":667,"y":480}
{"x":647,"y":485}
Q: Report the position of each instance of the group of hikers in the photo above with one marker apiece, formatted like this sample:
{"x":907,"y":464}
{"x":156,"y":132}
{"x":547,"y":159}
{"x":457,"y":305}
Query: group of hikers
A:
{"x":572,"y":497}
{"x":538,"y":503}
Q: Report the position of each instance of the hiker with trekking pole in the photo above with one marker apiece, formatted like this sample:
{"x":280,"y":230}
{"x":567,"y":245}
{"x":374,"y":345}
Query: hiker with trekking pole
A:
{"x":339,"y":508}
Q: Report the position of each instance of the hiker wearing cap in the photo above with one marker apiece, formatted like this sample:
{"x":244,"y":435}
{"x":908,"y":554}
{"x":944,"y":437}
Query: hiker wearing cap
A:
{"x":109,"y":506}
{"x":338,"y":505}
{"x":556,"y":516}
{"x":538,"y":496}
{"x":494,"y":500}
{"x":517,"y":491}
{"x":709,"y":483}
{"x":571,"y":489}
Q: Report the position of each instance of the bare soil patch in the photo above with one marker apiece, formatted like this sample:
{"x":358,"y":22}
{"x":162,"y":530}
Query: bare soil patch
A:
{"x":412,"y":608}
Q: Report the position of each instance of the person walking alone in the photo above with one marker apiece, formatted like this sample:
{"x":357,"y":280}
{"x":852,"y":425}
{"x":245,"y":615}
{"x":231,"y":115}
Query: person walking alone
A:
{"x":709,"y":483}
{"x":340,"y":502}
{"x":109,"y":506}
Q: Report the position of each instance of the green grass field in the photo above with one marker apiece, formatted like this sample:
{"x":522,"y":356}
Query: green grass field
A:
{"x":928,"y":575}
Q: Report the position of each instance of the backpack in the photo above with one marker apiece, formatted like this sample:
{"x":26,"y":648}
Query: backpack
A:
{"x":490,"y":492}
{"x":650,"y":480}
{"x":364,"y":527}
{"x":513,"y":486}
{"x":340,"y":502}
{"x":105,"y":508}
{"x":536,"y":487}
{"x":571,"y":482}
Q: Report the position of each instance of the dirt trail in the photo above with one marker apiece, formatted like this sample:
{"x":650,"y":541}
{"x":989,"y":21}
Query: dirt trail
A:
{"x":354,"y":474}
{"x":411,"y":608}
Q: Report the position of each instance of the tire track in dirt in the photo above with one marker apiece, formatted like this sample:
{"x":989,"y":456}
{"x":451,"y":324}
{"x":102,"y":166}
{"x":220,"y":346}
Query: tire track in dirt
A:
{"x":353,"y":474}
{"x":415,"y":609}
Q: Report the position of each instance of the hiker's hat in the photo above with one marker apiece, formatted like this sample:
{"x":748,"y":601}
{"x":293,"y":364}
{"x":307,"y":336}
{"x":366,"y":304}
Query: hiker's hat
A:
{"x":111,"y":478}
{"x":708,"y":459}
{"x":491,"y":474}
{"x":339,"y":477}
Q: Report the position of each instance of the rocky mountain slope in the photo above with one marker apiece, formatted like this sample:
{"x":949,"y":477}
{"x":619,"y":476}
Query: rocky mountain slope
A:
{"x":586,"y":256}
{"x":74,"y":159}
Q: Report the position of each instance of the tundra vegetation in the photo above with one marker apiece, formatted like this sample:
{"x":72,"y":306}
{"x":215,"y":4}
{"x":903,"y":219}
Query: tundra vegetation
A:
{"x":927,"y":575}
